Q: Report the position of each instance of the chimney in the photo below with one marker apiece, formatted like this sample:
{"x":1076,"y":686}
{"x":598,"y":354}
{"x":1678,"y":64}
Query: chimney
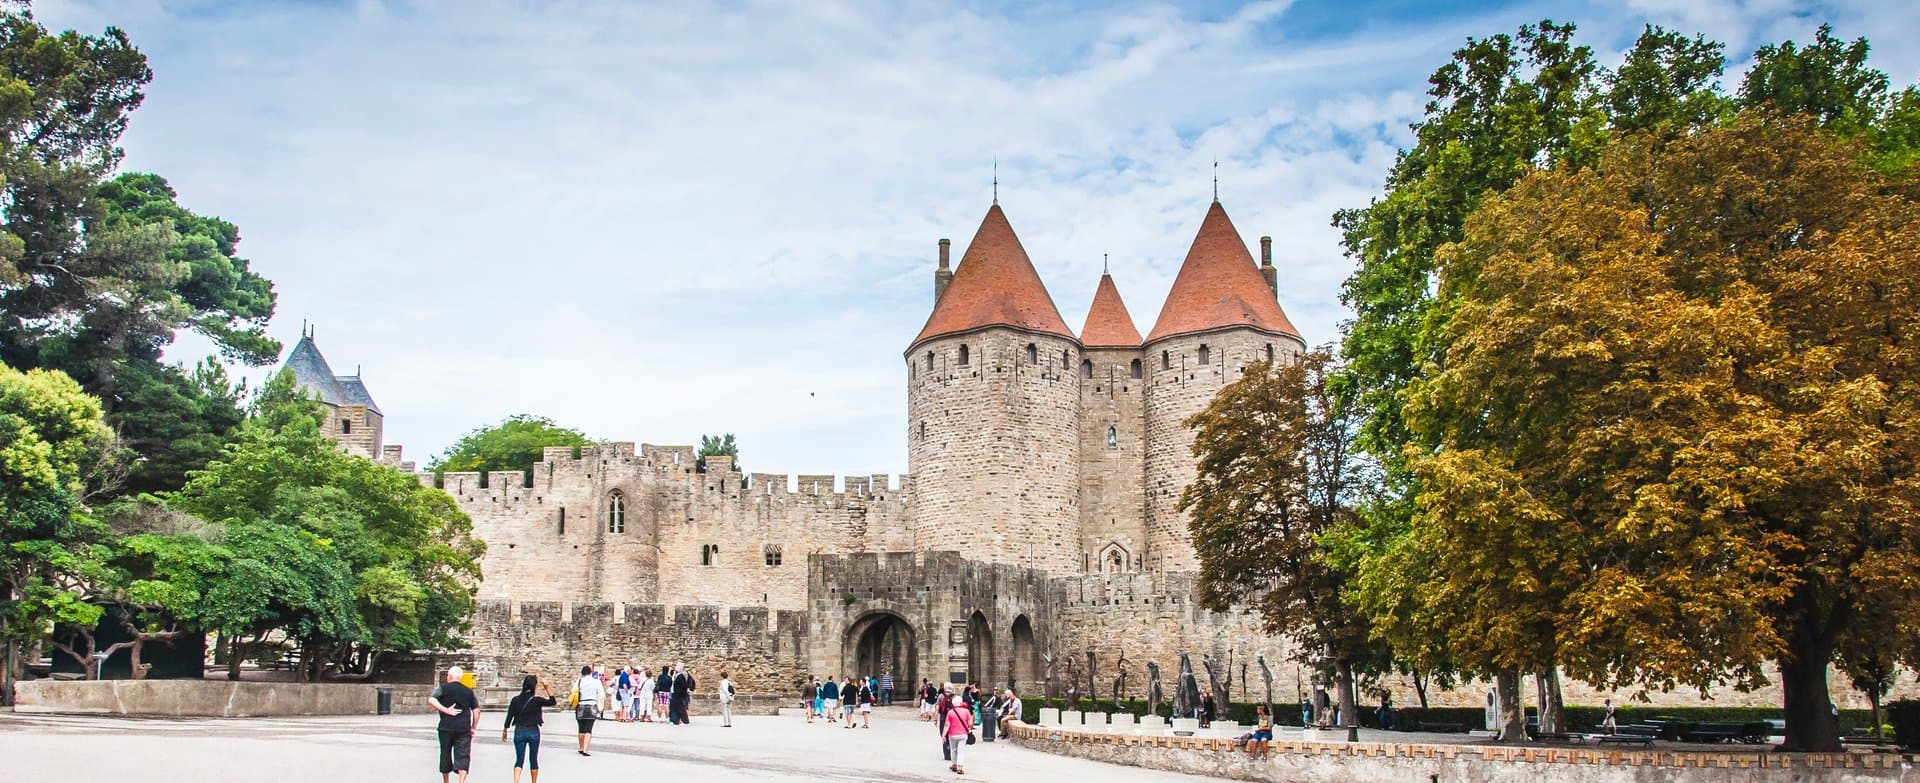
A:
{"x":943,"y":275}
{"x":1266,"y":266}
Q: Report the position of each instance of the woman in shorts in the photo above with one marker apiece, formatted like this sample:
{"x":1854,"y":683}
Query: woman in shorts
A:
{"x":1262,"y":732}
{"x":588,"y":693}
{"x":866,"y":706}
{"x":662,"y":691}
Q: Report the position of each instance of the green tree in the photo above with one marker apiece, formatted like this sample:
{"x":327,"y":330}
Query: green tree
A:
{"x":1677,"y":418}
{"x":1828,"y":81}
{"x":406,"y":550}
{"x":513,"y":444}
{"x":54,"y":450}
{"x":175,"y":419}
{"x":716,"y":446}
{"x":1277,"y":476}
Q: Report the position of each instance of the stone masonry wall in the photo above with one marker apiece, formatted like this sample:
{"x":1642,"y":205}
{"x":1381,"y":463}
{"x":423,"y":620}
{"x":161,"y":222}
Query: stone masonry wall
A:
{"x":1112,"y":500}
{"x":1178,"y":386}
{"x":762,"y":650}
{"x":994,"y":447}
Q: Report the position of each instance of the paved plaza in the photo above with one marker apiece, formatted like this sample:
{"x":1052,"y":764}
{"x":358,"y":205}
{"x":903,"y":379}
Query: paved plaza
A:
{"x":85,"y":749}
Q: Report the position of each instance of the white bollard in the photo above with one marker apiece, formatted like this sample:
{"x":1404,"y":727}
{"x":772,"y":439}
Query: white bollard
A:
{"x":1049,"y":716}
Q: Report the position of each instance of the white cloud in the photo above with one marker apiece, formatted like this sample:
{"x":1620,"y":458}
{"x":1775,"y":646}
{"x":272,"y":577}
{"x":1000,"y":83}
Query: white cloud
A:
{"x":656,"y":221}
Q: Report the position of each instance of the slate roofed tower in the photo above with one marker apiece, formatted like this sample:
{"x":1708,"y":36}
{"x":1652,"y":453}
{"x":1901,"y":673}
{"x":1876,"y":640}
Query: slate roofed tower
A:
{"x":1220,"y":316}
{"x":990,"y":392}
{"x":1112,"y":437}
{"x":353,"y":419}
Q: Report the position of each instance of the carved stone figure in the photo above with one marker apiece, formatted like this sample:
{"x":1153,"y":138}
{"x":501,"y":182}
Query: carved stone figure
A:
{"x":1187,"y":692}
{"x":1266,"y":675}
{"x":1216,"y":682}
{"x":1154,"y":694}
{"x":1120,"y":680}
{"x":1047,"y":677}
{"x":1090,"y":673}
{"x":1073,"y":684}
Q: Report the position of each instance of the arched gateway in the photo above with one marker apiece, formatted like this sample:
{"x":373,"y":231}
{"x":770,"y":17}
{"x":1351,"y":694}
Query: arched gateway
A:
{"x":880,"y":643}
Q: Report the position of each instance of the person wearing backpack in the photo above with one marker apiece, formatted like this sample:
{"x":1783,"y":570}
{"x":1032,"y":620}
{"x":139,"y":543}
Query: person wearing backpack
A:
{"x":726,"y":701}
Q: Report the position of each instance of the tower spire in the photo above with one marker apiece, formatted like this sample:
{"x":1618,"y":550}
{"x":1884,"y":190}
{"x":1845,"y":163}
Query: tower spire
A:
{"x":996,"y":179}
{"x":1216,"y":180}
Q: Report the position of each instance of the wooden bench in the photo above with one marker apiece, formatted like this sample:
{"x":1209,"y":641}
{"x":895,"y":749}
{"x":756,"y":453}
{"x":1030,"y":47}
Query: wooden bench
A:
{"x":1625,"y":739}
{"x":1567,"y":737}
{"x":1875,"y":744}
{"x":1443,"y":728}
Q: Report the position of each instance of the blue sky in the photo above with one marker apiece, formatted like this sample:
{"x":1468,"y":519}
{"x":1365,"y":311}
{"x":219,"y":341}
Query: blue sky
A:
{"x":650,"y":222}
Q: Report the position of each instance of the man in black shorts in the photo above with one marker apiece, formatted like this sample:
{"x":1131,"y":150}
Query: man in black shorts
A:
{"x":459,"y":718}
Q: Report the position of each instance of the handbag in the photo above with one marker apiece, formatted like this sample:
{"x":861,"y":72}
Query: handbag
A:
{"x":971,"y":737}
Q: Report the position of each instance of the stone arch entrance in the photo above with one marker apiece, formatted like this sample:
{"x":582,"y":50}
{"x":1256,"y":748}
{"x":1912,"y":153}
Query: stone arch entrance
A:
{"x":879,"y":643}
{"x":979,"y":650}
{"x":1024,"y":669}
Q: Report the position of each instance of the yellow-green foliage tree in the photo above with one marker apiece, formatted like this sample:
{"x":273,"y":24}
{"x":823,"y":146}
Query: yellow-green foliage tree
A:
{"x":1278,"y":474}
{"x":1678,"y":419}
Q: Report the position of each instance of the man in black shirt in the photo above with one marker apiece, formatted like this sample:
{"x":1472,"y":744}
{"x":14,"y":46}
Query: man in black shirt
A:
{"x":682,"y":694}
{"x":459,"y":718}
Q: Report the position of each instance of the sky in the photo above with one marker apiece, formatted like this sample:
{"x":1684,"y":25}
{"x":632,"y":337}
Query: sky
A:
{"x":650,"y":222}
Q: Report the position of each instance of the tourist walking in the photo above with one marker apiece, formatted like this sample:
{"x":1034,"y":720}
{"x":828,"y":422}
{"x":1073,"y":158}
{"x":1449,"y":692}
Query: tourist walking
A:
{"x":644,"y":704}
{"x":1206,"y":710}
{"x":663,"y":691}
{"x":959,"y":732}
{"x":622,"y":694}
{"x":926,"y":696}
{"x":587,"y":694}
{"x":459,"y":718}
{"x":726,"y":701}
{"x":886,"y":688}
{"x":830,"y":700}
{"x":1608,"y":722}
{"x":525,"y":714}
{"x":683,"y":685}
{"x":866,"y":706}
{"x":1262,"y":732}
{"x":850,"y":699}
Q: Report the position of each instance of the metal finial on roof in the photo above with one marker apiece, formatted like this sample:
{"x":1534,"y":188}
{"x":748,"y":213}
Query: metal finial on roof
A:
{"x":1103,"y":263}
{"x":996,"y":179}
{"x":1216,"y":180}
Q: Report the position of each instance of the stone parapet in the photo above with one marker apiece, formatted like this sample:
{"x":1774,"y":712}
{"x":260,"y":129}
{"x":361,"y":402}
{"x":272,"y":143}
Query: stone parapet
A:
{"x":211,"y":698}
{"x":1383,"y":762}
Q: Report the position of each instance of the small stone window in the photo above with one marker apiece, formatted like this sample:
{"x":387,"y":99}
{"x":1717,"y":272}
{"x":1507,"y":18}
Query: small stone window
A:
{"x":1066,"y":360}
{"x":923,"y":430}
{"x":1113,"y":438}
{"x":1269,"y":353}
{"x":771,"y":554}
{"x":1086,"y":368}
{"x":709,"y":554}
{"x":1134,"y":370}
{"x":616,"y":512}
{"x":346,"y":426}
{"x":1033,"y":354}
{"x":963,"y":356}
{"x":1166,"y":360}
{"x":929,"y":360}
{"x":1206,"y":354}
{"x":563,"y":520}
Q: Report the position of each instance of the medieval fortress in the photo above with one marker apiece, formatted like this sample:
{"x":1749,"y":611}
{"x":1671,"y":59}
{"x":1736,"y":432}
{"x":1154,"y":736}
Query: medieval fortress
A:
{"x":1037,"y":532}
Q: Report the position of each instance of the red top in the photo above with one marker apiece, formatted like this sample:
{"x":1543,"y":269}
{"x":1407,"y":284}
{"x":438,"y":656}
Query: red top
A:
{"x":959,"y":721}
{"x":1218,"y":286}
{"x":1108,"y":323}
{"x":995,"y":285}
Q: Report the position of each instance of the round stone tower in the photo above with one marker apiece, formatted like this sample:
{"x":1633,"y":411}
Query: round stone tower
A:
{"x":993,"y":444}
{"x":1221,"y":315}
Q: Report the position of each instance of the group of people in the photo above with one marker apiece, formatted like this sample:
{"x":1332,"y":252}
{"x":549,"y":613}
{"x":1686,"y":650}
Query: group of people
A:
{"x":637,"y":695}
{"x":842,"y":699}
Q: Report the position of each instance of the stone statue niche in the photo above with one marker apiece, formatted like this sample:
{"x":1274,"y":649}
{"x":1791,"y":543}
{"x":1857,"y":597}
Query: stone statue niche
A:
{"x":1154,"y":693}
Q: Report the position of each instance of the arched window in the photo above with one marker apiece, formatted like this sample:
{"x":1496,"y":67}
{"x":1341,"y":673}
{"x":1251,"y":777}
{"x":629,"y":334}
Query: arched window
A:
{"x":1113,"y":438}
{"x":1086,"y":368}
{"x":709,"y":554}
{"x":1269,"y":353}
{"x":1116,"y":562}
{"x":1206,"y":354}
{"x":963,"y":356}
{"x":1066,"y":360}
{"x":1166,"y":360}
{"x":923,"y":430}
{"x":616,"y":512}
{"x":929,"y":360}
{"x":1033,"y":354}
{"x":1135,"y":369}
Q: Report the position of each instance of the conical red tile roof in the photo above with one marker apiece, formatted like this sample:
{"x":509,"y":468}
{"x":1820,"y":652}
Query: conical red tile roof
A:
{"x":1218,"y":286}
{"x":1108,"y":323}
{"x":995,"y":285}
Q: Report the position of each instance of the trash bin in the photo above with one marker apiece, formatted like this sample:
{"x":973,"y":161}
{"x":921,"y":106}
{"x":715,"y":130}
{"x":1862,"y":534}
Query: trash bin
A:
{"x":987,"y":724}
{"x":383,"y":701}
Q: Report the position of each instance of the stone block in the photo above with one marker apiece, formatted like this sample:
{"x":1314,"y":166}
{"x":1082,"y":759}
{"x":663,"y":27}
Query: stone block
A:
{"x":1186,"y":727}
{"x":1049,"y":716}
{"x":1122,"y":721}
{"x":1072,"y":718}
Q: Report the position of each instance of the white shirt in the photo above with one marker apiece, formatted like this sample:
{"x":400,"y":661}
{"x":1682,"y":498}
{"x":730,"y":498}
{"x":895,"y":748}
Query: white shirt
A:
{"x":726,"y":690}
{"x":591,"y":691}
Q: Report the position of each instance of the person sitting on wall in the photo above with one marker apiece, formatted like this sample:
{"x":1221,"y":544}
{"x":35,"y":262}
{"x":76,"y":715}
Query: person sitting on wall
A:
{"x":1262,"y":732}
{"x":1009,"y":711}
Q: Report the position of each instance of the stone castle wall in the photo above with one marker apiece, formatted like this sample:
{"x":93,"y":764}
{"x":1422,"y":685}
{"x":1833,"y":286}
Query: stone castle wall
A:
{"x":1113,"y":531}
{"x":995,"y":448}
{"x":1179,"y":385}
{"x":763,"y":651}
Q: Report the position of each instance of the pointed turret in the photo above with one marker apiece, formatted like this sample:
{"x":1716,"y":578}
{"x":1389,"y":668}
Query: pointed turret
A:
{"x":1219,"y":286}
{"x":1108,"y":323}
{"x":311,"y":372}
{"x":995,"y":285}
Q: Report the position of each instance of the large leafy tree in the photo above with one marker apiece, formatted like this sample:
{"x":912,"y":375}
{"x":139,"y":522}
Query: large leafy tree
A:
{"x":1278,"y":475}
{"x":1830,"y":81}
{"x":406,"y":550}
{"x":513,"y":444}
{"x":54,"y":450}
{"x":1679,"y":418}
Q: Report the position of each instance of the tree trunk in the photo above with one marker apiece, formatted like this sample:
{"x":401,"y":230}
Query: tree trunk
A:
{"x":1811,"y":727}
{"x":1349,"y":702}
{"x":1552,"y":715}
{"x":1420,"y":687}
{"x":236,"y":650}
{"x":1513,"y":716}
{"x":1873,"y":701}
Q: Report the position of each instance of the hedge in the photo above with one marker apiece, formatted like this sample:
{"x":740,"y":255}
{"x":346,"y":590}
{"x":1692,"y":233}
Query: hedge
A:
{"x":1579,"y":718}
{"x":1905,"y":717}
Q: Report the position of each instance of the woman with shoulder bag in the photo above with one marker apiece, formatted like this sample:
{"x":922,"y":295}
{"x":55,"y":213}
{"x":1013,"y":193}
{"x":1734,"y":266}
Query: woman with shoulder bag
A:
{"x":524,"y":715}
{"x":588,"y":692}
{"x":959,"y":725}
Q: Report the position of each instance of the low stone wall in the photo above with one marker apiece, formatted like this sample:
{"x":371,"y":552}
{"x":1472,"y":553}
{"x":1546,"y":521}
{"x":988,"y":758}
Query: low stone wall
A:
{"x":1381,"y":762}
{"x":212,"y":698}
